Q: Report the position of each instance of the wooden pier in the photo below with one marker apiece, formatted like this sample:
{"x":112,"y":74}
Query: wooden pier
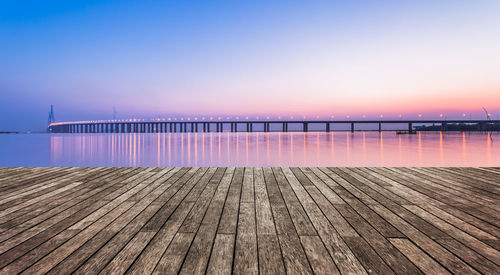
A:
{"x":249,"y":220}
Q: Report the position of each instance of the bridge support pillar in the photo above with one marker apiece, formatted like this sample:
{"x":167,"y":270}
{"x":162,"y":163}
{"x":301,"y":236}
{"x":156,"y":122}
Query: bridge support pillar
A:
{"x":380,"y":127}
{"x":304,"y":127}
{"x":327,"y":127}
{"x":410,"y":127}
{"x":482,"y":126}
{"x":352,"y":127}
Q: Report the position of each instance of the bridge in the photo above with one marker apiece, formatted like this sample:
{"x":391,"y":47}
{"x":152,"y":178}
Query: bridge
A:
{"x":162,"y":126}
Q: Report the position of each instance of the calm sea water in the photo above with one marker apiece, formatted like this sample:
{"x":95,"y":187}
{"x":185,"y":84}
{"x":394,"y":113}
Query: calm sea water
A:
{"x":252,"y":149}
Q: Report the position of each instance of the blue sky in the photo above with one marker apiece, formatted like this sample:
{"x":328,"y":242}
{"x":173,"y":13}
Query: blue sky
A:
{"x":151,"y":58}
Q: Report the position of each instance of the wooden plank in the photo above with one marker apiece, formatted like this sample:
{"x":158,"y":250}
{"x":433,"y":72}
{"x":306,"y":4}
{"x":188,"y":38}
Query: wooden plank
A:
{"x":460,"y":250}
{"x":270,"y":258}
{"x":434,"y":179}
{"x":221,"y":258}
{"x":390,"y":255}
{"x":466,"y":175}
{"x":247,"y":188}
{"x":480,"y":247}
{"x":245,"y":256}
{"x":91,"y":246}
{"x":194,"y":218}
{"x":440,"y":254}
{"x":246,"y":260}
{"x":33,"y":225}
{"x":427,"y":203}
{"x":127,"y":255}
{"x":26,"y":241}
{"x":294,"y":257}
{"x":174,"y":255}
{"x":41,"y":207}
{"x":344,"y":258}
{"x":469,"y":228}
{"x":16,"y":182}
{"x":229,"y":217}
{"x":23,"y":204}
{"x":451,"y":194}
{"x":369,"y":215}
{"x":183,"y":185}
{"x":53,"y":258}
{"x":176,"y":207}
{"x":198,"y":255}
{"x":418,"y":257}
{"x":437,"y":199}
{"x":114,"y":209}
{"x":318,"y":256}
{"x":299,"y":217}
{"x":37,"y":188}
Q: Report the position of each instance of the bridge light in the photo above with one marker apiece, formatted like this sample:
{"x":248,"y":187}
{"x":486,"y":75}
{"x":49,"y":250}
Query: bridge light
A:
{"x":440,"y":115}
{"x":463,"y":115}
{"x":381,"y":115}
{"x":419,"y":115}
{"x":219,"y":118}
{"x":279,"y":117}
{"x":347,"y":116}
{"x":246,"y":118}
{"x":267,"y":117}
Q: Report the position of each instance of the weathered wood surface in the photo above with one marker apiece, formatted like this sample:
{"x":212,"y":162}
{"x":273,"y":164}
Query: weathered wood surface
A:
{"x":250,"y":220}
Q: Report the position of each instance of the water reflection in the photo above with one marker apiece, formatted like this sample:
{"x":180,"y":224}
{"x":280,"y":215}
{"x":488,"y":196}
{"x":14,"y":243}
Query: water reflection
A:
{"x":377,"y":149}
{"x":252,"y":149}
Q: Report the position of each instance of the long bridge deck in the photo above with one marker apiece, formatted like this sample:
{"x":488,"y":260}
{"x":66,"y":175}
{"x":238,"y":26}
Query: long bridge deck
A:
{"x":249,"y":220}
{"x":162,"y":126}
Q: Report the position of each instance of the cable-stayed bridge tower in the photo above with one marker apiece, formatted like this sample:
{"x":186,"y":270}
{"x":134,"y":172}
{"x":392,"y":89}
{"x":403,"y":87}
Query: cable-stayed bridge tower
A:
{"x":51,"y":119}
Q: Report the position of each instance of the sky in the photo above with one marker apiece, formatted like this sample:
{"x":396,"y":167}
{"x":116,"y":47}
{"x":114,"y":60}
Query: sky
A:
{"x":237,"y":58}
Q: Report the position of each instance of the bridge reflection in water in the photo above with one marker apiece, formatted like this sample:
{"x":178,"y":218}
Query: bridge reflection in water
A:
{"x":275,"y":149}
